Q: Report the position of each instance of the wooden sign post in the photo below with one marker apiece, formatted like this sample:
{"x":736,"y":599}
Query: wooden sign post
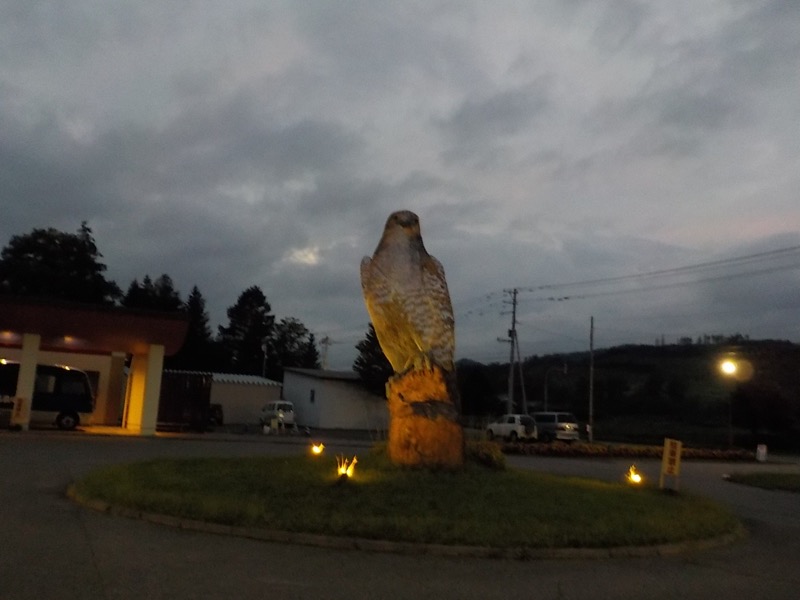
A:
{"x":671,"y":462}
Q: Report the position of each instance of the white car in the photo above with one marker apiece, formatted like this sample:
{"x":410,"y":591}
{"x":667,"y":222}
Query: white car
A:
{"x":512,"y":428}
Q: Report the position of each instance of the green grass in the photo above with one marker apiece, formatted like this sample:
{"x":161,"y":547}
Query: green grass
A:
{"x":789,"y":482}
{"x":475,"y":506}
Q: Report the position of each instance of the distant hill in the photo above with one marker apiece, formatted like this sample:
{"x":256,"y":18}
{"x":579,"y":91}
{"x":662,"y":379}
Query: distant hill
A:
{"x":679,"y":383}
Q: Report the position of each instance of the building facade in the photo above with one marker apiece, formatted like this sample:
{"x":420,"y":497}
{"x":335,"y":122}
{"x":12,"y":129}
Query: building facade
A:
{"x":333,"y":400}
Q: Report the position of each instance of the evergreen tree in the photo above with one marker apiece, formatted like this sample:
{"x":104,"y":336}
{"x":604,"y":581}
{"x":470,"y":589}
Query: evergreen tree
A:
{"x":309,"y":357}
{"x":149,"y":295}
{"x":371,"y":364}
{"x":199,"y":351}
{"x":246,"y":339}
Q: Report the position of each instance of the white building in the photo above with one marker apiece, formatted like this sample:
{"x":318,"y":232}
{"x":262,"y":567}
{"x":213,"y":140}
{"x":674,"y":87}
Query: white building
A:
{"x":243,"y":396}
{"x":333,"y":400}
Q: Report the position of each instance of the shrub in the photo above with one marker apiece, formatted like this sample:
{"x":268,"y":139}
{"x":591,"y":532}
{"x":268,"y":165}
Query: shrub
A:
{"x":483,"y":452}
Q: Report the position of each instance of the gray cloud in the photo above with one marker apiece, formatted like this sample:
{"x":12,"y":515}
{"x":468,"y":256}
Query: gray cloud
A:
{"x":265,"y":144}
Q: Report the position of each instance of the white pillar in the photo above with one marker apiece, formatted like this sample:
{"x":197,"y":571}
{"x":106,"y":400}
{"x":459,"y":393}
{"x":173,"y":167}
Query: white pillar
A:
{"x":144,"y":388}
{"x":26,"y":380}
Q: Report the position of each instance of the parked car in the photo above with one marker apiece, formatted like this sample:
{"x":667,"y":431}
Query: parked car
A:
{"x":557,"y":426}
{"x":512,"y":428}
{"x":282,"y":411}
{"x":60,"y":394}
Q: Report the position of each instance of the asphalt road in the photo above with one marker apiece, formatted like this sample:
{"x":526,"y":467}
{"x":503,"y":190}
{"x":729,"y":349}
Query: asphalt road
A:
{"x":51,"y":548}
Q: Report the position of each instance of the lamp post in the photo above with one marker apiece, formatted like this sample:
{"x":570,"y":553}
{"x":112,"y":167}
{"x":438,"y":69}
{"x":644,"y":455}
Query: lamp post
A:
{"x":563,"y":369}
{"x":729,"y":368}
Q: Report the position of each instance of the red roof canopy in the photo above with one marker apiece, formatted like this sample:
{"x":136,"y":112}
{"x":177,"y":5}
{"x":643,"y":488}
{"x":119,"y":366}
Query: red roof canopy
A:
{"x":66,"y":327}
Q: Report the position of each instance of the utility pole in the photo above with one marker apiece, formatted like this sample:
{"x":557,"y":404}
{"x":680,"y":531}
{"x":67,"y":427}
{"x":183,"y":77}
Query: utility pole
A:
{"x":591,"y":379}
{"x":325,"y":343}
{"x":512,"y":337}
{"x":521,"y":378}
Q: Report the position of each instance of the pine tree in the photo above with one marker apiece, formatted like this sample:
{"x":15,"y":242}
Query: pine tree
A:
{"x":150,"y":295}
{"x":199,"y":351}
{"x":250,"y":327}
{"x":371,"y":364}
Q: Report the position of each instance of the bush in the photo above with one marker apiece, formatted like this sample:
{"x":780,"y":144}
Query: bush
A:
{"x":483,"y":452}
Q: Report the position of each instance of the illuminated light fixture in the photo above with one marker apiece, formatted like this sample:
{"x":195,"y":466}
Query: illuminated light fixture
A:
{"x":72,"y":341}
{"x":728,"y":367}
{"x":634,"y":476}
{"x":317,"y":449}
{"x":344,"y":467}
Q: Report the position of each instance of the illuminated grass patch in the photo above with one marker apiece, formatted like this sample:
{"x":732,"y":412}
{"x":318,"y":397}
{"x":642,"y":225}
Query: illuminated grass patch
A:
{"x":475,"y":506}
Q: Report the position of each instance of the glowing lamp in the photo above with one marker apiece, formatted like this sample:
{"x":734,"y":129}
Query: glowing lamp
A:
{"x":317,"y":449}
{"x":344,"y":467}
{"x":634,"y":476}
{"x":728,"y":367}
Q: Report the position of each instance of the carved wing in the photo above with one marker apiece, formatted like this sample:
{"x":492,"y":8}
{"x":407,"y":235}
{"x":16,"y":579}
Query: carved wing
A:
{"x":439,"y":334}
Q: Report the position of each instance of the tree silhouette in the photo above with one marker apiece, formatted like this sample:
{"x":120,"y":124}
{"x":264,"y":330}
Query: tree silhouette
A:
{"x":247,"y":336}
{"x":291,"y":345}
{"x":150,"y":295}
{"x":199,"y":351}
{"x":48,"y":263}
{"x":371,"y":364}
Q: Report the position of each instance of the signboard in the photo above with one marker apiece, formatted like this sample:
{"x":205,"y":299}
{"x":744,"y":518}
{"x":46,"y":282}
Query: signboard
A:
{"x":670,"y":460}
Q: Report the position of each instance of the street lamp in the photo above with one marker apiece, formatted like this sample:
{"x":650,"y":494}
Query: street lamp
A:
{"x":546,"y":374}
{"x":729,"y":369}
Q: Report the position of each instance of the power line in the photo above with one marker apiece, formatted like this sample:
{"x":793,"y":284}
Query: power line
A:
{"x":684,"y":270}
{"x":490,"y":302}
{"x":667,"y":285}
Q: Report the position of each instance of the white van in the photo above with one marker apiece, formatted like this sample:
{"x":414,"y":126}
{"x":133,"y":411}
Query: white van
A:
{"x":557,"y":426}
{"x":60,"y":394}
{"x":280,"y":410}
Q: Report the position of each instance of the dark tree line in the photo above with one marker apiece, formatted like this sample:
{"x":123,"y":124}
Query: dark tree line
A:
{"x":678,"y":383}
{"x":51,"y":264}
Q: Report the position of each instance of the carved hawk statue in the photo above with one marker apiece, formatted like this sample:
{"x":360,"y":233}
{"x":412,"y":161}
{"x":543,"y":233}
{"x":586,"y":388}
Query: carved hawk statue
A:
{"x":407,"y":299}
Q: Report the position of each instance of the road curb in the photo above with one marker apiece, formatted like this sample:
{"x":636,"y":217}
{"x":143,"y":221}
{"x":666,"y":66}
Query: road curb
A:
{"x":408,"y":548}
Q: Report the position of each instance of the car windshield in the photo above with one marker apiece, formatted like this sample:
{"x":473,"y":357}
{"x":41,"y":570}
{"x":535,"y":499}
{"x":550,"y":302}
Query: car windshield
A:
{"x":567,"y":418}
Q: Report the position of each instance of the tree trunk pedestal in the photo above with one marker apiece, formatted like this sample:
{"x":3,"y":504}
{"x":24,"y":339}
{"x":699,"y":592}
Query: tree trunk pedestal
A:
{"x":424,"y":430}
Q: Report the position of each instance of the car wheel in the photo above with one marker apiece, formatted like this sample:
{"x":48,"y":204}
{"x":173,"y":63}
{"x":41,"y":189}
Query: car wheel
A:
{"x":546,"y":438}
{"x":513,"y":437}
{"x":489,"y":435}
{"x":67,"y":421}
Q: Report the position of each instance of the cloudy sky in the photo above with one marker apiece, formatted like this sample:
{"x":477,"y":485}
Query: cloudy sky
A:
{"x":602,"y":144}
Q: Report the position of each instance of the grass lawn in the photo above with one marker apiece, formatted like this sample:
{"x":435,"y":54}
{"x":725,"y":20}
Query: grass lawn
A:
{"x":789,"y":482}
{"x":475,"y":506}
